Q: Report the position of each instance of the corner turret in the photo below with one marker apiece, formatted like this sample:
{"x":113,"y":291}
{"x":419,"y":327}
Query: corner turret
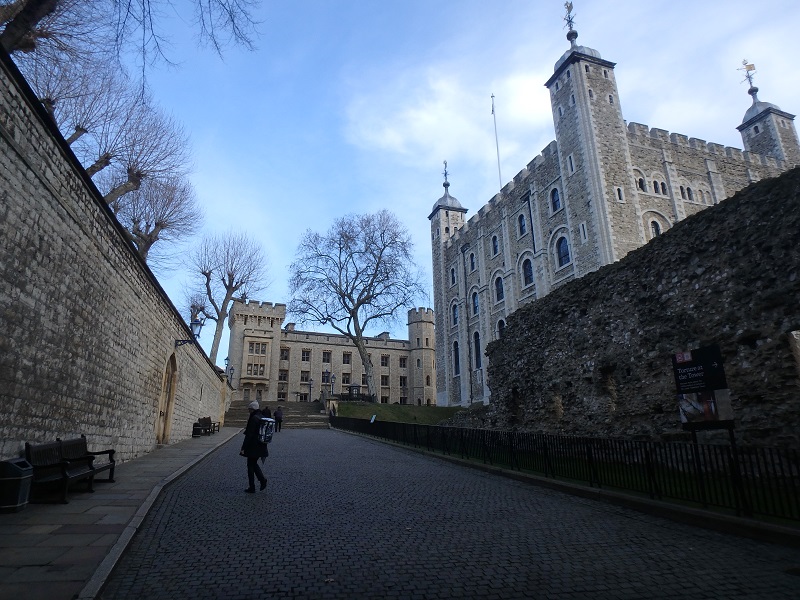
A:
{"x":766,"y":129}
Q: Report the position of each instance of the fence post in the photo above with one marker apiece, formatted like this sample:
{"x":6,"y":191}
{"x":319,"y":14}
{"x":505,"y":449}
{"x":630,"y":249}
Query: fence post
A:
{"x":701,"y":486}
{"x":590,"y":460}
{"x":651,"y":475}
{"x":736,"y":476}
{"x":548,"y":468}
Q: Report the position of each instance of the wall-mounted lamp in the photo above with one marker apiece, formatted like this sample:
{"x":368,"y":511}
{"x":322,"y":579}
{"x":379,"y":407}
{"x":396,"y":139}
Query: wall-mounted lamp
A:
{"x":196,"y":325}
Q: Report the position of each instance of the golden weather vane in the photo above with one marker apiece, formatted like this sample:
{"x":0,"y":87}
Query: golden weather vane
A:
{"x":749,"y":70}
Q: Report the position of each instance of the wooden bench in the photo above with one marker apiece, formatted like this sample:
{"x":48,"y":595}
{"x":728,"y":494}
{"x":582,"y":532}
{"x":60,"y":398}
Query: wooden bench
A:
{"x":207,"y":425}
{"x":50,"y":467}
{"x":77,"y":450}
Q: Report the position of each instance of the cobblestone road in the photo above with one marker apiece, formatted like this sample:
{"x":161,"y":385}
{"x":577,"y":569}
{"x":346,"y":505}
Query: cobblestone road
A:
{"x":347,"y":517}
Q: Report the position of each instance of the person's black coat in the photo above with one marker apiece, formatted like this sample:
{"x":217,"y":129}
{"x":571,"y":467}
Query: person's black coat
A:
{"x":251,"y":447}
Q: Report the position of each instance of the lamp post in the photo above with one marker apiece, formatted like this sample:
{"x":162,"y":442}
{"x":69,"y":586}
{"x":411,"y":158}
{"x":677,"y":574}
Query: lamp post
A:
{"x":311,"y":390}
{"x":333,"y":381}
{"x":196,"y":326}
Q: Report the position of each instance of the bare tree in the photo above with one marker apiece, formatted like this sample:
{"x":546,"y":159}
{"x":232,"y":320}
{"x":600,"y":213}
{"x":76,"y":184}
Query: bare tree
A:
{"x":83,"y":97}
{"x":231,"y":265}
{"x":356,"y":275}
{"x":25,"y":23}
{"x":149,"y":144}
{"x":162,"y":210}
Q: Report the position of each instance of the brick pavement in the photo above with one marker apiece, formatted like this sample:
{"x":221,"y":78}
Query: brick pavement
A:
{"x":347,"y":517}
{"x":60,"y":551}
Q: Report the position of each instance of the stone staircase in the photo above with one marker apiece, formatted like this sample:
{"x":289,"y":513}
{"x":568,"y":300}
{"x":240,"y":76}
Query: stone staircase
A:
{"x":295,"y":414}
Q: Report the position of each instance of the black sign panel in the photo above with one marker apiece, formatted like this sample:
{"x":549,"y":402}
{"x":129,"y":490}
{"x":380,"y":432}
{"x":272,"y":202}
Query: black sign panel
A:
{"x":699,"y":370}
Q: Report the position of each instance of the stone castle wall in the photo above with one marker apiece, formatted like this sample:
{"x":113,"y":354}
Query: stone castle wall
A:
{"x":594,"y":356}
{"x":88,"y":336}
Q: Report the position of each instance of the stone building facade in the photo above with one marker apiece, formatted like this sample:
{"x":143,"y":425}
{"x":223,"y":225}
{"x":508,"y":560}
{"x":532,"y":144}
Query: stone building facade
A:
{"x":88,"y":342}
{"x":594,"y":357}
{"x":601,"y":189}
{"x":271,"y":362}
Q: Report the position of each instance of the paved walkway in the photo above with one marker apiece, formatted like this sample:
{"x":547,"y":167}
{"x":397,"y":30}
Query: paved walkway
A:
{"x":345,"y":517}
{"x":60,"y":551}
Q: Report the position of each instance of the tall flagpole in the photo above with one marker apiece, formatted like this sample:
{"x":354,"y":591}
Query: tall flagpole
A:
{"x":497,"y":145}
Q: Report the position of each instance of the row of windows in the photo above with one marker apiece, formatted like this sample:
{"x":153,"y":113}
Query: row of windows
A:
{"x":347,"y":357}
{"x":303,"y":397}
{"x":476,"y":356}
{"x":256,"y":348}
{"x":255,"y":369}
{"x":563,"y":257}
{"x":661,"y":188}
{"x":305,"y":377}
{"x":587,"y":68}
{"x":657,"y":188}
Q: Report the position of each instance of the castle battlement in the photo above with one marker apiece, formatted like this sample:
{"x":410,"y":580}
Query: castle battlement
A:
{"x":701,"y":145}
{"x":243,"y":311}
{"x":416,"y":315}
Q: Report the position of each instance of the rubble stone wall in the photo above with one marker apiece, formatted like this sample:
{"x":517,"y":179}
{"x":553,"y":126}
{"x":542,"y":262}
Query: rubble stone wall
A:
{"x":593,"y":357}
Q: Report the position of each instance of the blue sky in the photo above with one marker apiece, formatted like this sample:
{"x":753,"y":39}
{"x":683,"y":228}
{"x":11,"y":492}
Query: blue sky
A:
{"x":351,"y":107}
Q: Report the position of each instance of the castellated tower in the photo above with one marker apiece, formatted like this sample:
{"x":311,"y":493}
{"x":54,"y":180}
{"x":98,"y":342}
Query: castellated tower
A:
{"x":422,"y":355}
{"x":446,"y":217}
{"x":601,"y":189}
{"x":254,"y":347}
{"x":596,"y":183}
{"x":768,"y":130}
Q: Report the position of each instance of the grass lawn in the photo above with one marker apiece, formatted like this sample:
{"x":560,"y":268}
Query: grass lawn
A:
{"x":398,"y":413}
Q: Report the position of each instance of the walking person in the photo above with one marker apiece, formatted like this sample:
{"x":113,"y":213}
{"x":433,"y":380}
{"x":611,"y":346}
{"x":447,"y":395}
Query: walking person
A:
{"x":278,"y":418}
{"x":253,"y":449}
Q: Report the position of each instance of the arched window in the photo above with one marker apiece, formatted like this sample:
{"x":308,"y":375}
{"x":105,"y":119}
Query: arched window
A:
{"x":610,"y":99}
{"x":522,"y":227}
{"x":419,"y":363}
{"x":427,"y":379}
{"x":455,"y":314}
{"x":656,"y":228}
{"x":456,"y":363}
{"x":471,"y":262}
{"x":478,"y":361}
{"x":498,"y":288}
{"x":562,"y":251}
{"x":663,"y":188}
{"x":495,"y":245}
{"x":619,"y":194}
{"x":555,"y":200}
{"x":641,"y":185}
{"x":655,"y":187}
{"x":527,"y":272}
{"x":689,"y":193}
{"x":591,"y":95}
{"x":501,"y":327}
{"x":475,"y":306}
{"x":452,"y":276}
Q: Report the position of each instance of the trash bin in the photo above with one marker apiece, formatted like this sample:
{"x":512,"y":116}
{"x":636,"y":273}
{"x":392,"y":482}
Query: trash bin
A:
{"x":15,"y":484}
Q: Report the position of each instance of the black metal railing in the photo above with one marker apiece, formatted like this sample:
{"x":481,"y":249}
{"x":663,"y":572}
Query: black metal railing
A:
{"x":752,"y":481}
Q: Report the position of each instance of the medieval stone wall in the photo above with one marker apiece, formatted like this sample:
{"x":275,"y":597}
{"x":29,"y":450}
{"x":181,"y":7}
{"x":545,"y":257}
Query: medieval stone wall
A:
{"x":593,"y":357}
{"x":88,"y":336}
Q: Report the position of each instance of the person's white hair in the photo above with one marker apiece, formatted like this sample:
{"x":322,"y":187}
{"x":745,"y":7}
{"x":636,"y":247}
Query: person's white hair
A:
{"x":253,"y":405}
